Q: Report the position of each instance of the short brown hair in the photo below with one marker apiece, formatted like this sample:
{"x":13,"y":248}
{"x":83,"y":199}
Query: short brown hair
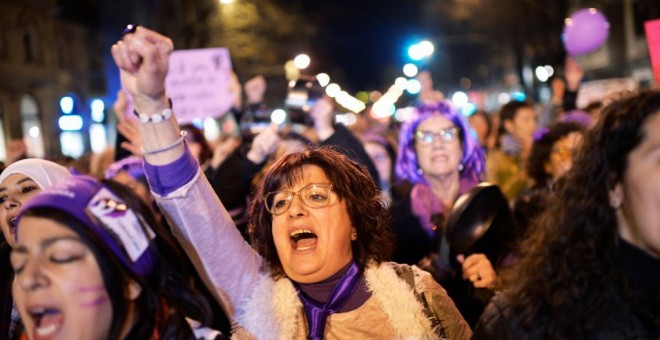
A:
{"x":351,"y":182}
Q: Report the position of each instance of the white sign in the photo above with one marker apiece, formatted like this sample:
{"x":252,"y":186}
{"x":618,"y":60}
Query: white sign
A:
{"x":198,"y":82}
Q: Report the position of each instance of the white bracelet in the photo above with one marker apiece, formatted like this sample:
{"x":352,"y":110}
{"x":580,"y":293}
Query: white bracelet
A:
{"x":155,"y":118}
{"x":168,"y":147}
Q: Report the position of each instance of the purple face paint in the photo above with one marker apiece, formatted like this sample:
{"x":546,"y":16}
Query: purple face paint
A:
{"x":96,"y":302}
{"x":91,"y":288}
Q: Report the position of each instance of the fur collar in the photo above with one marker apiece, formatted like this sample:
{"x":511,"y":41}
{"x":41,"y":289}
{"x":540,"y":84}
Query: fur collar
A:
{"x":273,"y":306}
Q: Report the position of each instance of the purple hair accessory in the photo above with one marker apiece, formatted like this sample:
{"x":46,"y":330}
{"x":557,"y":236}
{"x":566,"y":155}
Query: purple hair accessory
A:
{"x":578,"y":116}
{"x":131,"y":165}
{"x":96,"y":207}
{"x":540,"y":133}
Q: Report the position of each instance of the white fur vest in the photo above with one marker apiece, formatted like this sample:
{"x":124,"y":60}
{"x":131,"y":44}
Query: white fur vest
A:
{"x":272,"y":309}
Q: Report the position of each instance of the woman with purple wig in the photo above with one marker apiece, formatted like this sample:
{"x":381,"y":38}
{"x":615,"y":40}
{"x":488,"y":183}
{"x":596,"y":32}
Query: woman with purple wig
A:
{"x":438,"y":161}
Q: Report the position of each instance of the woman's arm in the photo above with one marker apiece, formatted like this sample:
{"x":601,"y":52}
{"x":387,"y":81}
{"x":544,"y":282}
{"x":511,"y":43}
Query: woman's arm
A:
{"x":201,"y":224}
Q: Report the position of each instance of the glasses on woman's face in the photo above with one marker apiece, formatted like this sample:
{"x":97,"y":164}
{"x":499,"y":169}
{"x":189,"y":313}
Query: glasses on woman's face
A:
{"x":312,"y":195}
{"x":445,"y":135}
{"x":563,"y":153}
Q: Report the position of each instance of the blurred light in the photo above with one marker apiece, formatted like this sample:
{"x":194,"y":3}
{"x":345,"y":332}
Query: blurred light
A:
{"x":401,"y":83}
{"x":420,"y":50}
{"x":403,"y":114}
{"x":301,"y":61}
{"x":226,"y":2}
{"x":503,"y":98}
{"x":465,"y":83}
{"x":415,"y":52}
{"x":198,"y":123}
{"x":72,"y":144}
{"x":375,"y":95}
{"x":70,"y":123}
{"x":211,"y":129}
{"x":66,"y":104}
{"x":550,"y":70}
{"x":519,"y":96}
{"x":323,"y":79}
{"x":459,"y":99}
{"x":541,"y":74}
{"x":34,"y":132}
{"x":97,"y":107}
{"x":413,"y":86}
{"x":291,"y":71}
{"x":410,"y":70}
{"x":468,"y":109}
{"x":426,"y":47}
{"x":347,"y":119}
{"x":97,"y":138}
{"x":382,"y":109}
{"x":363,"y":96}
{"x":332,"y":90}
{"x":278,"y":116}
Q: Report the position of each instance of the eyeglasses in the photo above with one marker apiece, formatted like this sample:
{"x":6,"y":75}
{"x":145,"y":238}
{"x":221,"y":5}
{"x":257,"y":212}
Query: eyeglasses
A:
{"x":563,"y":153}
{"x":429,"y":137}
{"x":312,"y":195}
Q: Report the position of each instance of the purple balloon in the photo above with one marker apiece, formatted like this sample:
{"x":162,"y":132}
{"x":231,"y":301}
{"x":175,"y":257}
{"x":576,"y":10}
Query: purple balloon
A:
{"x":585,"y":31}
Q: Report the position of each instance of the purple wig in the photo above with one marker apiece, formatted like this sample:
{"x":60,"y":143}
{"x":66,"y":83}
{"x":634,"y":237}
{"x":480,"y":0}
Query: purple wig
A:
{"x":473,"y":160}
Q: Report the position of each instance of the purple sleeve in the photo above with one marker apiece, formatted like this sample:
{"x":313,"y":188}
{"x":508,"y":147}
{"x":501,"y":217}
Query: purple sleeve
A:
{"x":165,"y":179}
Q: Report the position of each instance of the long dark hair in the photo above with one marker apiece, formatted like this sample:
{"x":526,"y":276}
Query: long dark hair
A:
{"x":352,"y":183}
{"x":567,"y":283}
{"x":166,"y":294}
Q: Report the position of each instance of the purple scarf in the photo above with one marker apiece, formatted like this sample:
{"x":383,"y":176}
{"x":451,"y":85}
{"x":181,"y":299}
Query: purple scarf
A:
{"x":425,"y":204}
{"x":317,"y":313}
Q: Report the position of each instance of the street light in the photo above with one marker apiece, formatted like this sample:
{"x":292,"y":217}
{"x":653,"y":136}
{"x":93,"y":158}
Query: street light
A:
{"x":301,"y":61}
{"x":410,"y":70}
{"x":420,"y":50}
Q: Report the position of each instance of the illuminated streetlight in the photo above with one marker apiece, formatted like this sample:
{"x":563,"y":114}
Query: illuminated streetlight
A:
{"x":413,"y":86}
{"x":542,"y":73}
{"x":301,"y":61}
{"x":459,"y":99}
{"x":410,"y":70}
{"x":420,"y":50}
{"x":333,"y":90}
{"x":323,"y":79}
{"x":426,"y":47}
{"x":278,"y":116}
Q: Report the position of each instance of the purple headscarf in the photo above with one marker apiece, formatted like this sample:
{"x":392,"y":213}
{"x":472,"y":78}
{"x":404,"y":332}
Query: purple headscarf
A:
{"x":473,"y":160}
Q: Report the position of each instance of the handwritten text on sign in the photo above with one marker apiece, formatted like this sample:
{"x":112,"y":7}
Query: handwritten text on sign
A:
{"x":198,"y":82}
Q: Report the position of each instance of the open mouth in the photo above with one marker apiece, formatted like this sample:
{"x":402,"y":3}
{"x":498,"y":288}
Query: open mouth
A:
{"x":12,"y":224}
{"x":303,"y":239}
{"x":47,"y":321}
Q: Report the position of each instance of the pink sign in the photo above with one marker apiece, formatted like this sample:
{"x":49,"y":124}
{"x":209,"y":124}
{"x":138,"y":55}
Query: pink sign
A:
{"x":198,"y":82}
{"x":653,"y":38}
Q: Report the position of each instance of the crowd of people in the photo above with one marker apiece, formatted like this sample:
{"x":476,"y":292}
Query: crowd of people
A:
{"x":329,"y":232}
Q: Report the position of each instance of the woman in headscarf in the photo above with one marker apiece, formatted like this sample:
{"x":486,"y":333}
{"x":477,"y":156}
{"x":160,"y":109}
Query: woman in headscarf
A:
{"x":19,"y":182}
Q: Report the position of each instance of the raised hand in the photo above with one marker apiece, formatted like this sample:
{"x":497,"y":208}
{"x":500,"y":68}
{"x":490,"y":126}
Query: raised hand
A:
{"x":143,"y":59}
{"x":264,"y":144}
{"x":255,"y":89}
